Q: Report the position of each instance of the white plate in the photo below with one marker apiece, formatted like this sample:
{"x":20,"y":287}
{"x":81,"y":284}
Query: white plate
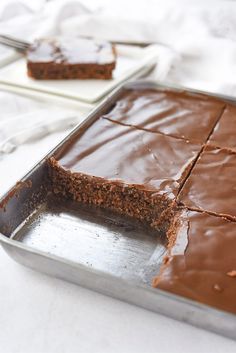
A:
{"x":131,"y":61}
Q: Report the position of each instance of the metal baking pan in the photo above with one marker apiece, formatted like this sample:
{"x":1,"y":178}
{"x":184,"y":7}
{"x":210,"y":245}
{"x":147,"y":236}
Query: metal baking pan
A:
{"x":94,"y":248}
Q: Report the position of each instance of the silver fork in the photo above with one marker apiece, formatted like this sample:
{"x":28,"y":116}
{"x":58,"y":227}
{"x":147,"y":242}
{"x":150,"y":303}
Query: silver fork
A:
{"x":15,"y":43}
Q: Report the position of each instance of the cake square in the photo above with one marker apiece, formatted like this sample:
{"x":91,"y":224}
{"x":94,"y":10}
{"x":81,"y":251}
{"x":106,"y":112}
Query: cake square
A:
{"x":211,"y":185}
{"x":202,"y":263}
{"x":70,"y":58}
{"x":179,"y":114}
{"x":224,"y":134}
{"x":131,"y":171}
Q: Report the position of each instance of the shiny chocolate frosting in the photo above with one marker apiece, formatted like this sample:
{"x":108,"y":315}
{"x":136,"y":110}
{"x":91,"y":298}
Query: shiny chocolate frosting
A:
{"x":212,"y":185}
{"x":205,"y":269}
{"x":180,"y":114}
{"x":224,"y":134}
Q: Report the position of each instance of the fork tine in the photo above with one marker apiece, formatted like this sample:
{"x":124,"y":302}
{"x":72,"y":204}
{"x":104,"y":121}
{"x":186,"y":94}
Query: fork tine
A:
{"x":15,"y":40}
{"x":14,"y":45}
{"x":10,"y":42}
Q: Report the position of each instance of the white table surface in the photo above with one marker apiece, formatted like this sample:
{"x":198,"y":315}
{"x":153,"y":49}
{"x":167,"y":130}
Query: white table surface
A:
{"x":43,"y":314}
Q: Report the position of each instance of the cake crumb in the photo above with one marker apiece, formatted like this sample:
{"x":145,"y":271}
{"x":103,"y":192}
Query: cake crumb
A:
{"x":217,"y":288}
{"x":232,"y":273}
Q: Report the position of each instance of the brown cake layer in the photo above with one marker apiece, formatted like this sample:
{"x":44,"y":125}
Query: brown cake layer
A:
{"x":132,"y":171}
{"x":178,"y":114}
{"x":66,"y":58}
{"x":202,"y":263}
{"x":142,"y":205}
{"x":52,"y":71}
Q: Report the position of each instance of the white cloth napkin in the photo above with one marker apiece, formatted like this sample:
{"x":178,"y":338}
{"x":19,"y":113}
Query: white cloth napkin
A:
{"x":198,"y":43}
{"x":33,"y":127}
{"x":25,"y":120}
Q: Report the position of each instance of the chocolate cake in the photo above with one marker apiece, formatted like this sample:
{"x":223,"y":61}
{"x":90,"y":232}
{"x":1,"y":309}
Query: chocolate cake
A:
{"x":201,"y":265}
{"x":155,"y":157}
{"x":70,"y":58}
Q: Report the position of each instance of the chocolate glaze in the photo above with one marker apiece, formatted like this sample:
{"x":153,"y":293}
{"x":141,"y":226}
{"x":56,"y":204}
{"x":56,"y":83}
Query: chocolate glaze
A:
{"x":205,"y":270}
{"x":212,"y":186}
{"x":224,"y":134}
{"x":131,"y":156}
{"x":70,"y":51}
{"x":181,"y":114}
